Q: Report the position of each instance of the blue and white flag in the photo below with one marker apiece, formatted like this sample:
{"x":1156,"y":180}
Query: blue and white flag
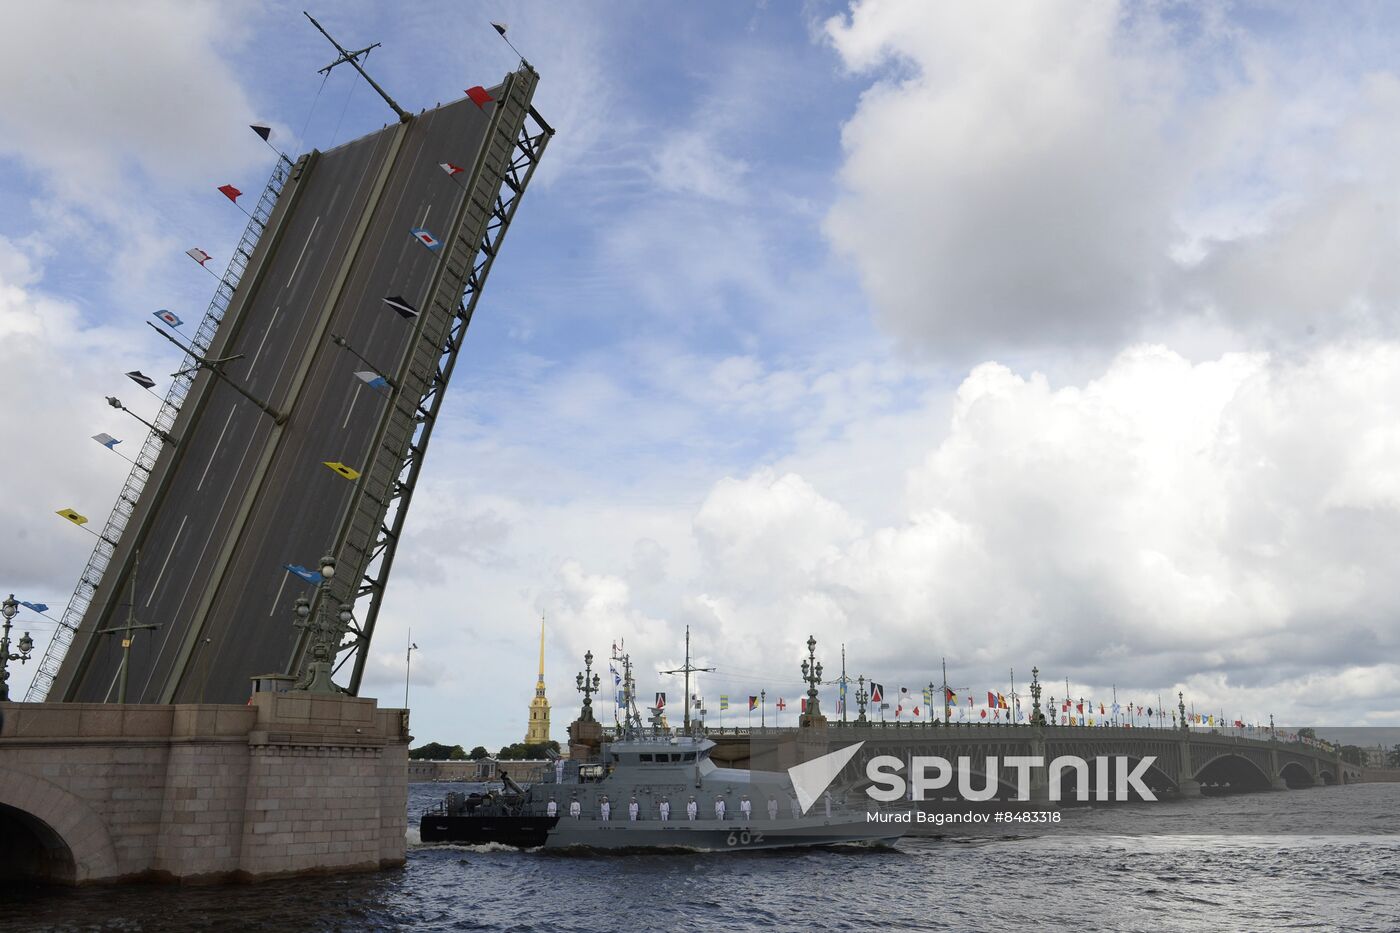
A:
{"x":426,"y":238}
{"x":310,"y":576}
{"x":106,"y":440}
{"x":37,"y":607}
{"x":373,"y":380}
{"x":169,"y":317}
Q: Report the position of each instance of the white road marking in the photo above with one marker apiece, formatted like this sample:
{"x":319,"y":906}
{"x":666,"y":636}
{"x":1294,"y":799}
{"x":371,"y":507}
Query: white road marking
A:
{"x":261,"y":343}
{"x":353,"y":399}
{"x":166,"y":562}
{"x":303,"y":250}
{"x":278,"y":598}
{"x":205,"y":474}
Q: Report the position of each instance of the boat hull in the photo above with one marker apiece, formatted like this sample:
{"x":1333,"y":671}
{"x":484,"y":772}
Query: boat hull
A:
{"x":522,"y":832}
{"x":530,"y":832}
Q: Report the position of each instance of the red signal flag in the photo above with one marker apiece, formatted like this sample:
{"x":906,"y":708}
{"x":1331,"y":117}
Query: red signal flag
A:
{"x":479,"y":96}
{"x":230,"y":192}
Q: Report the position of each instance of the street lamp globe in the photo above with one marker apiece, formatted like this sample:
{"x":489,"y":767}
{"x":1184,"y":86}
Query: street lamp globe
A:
{"x":302,"y":607}
{"x":327,"y":567}
{"x":114,"y":401}
{"x":26,"y":644}
{"x":10,"y":607}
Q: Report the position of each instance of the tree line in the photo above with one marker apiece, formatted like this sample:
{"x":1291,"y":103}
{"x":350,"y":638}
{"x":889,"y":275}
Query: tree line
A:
{"x":518,"y":751}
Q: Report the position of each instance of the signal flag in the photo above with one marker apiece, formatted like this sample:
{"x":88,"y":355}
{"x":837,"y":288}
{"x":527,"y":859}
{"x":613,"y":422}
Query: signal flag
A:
{"x":478,"y":95}
{"x":140,"y":378}
{"x":169,"y":317}
{"x":72,"y":516}
{"x":264,"y":131}
{"x":342,"y":469}
{"x":450,"y":169}
{"x":230,"y":192}
{"x":310,"y":576}
{"x":198,"y":255}
{"x":106,"y":440}
{"x":401,"y":305}
{"x":426,"y":238}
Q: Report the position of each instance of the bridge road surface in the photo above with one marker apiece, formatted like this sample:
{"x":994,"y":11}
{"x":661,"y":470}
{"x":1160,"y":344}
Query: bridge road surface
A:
{"x":220,"y":628}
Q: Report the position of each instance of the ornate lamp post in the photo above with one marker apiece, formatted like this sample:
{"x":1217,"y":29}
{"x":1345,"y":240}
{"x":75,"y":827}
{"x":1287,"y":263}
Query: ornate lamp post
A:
{"x":862,"y":697}
{"x":1054,"y":712}
{"x":1037,"y":717}
{"x":9,"y":609}
{"x":324,"y":633}
{"x":1273,"y":736}
{"x":587,"y":685}
{"x":1181,"y":705}
{"x":812,"y":673}
{"x":117,"y":404}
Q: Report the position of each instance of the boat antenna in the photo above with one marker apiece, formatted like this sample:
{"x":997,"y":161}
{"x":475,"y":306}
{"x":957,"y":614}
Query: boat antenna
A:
{"x":687,"y":669}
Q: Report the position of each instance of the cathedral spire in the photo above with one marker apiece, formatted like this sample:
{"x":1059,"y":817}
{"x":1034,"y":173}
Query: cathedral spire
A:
{"x":541,"y":680}
{"x":537,"y":730}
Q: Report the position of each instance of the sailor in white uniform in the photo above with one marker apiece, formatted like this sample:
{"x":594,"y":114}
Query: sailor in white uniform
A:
{"x":827,"y":800}
{"x":633,"y":810}
{"x":719,"y":808}
{"x":575,"y":810}
{"x":746,"y":807}
{"x":551,"y":808}
{"x":605,"y":810}
{"x":692,"y":809}
{"x":796,"y":809}
{"x":772,"y":808}
{"x":665,"y":808}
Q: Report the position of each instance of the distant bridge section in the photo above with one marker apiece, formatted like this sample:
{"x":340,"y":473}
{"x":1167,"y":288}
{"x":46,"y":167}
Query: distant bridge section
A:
{"x":1186,"y":763}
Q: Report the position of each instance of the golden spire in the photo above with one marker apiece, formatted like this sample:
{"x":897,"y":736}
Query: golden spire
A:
{"x":541,"y":647}
{"x":537,"y":732}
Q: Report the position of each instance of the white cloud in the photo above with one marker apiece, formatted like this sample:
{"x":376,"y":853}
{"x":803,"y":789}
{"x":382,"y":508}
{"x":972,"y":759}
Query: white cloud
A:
{"x":1032,"y":176}
{"x":1163,"y":521}
{"x":95,"y":89}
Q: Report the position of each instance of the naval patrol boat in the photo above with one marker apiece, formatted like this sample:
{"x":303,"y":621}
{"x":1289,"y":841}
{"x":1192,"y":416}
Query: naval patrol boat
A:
{"x":652,"y":789}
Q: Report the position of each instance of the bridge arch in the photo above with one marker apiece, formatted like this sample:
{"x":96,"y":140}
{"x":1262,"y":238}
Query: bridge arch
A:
{"x":1231,"y":773}
{"x":50,"y":834}
{"x":1295,"y":775}
{"x":1157,"y":780}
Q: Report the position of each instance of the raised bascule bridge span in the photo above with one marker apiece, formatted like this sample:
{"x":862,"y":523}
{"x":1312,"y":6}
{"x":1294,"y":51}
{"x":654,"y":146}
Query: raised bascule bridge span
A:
{"x":1186,"y":763}
{"x":311,"y":441}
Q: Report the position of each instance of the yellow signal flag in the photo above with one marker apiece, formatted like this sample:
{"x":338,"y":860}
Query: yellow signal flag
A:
{"x":342,"y":469}
{"x":72,"y":516}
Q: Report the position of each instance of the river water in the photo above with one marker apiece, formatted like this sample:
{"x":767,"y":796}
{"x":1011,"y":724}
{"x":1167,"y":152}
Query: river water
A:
{"x":1339,"y":869}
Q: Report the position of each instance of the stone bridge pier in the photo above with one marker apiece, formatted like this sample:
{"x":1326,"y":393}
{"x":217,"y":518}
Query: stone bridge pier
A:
{"x":290,"y":783}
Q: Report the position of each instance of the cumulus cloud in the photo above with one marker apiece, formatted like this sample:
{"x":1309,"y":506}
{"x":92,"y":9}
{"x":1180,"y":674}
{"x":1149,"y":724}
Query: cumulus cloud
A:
{"x":173,"y":109}
{"x":1033,"y":176}
{"x":1162,"y":522}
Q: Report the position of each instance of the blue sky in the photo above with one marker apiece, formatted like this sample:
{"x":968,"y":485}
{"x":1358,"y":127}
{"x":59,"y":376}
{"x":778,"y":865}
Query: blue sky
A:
{"x":1037,"y":334}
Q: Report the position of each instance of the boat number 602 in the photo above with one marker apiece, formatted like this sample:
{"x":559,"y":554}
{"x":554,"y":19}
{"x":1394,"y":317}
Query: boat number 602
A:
{"x":744,"y":838}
